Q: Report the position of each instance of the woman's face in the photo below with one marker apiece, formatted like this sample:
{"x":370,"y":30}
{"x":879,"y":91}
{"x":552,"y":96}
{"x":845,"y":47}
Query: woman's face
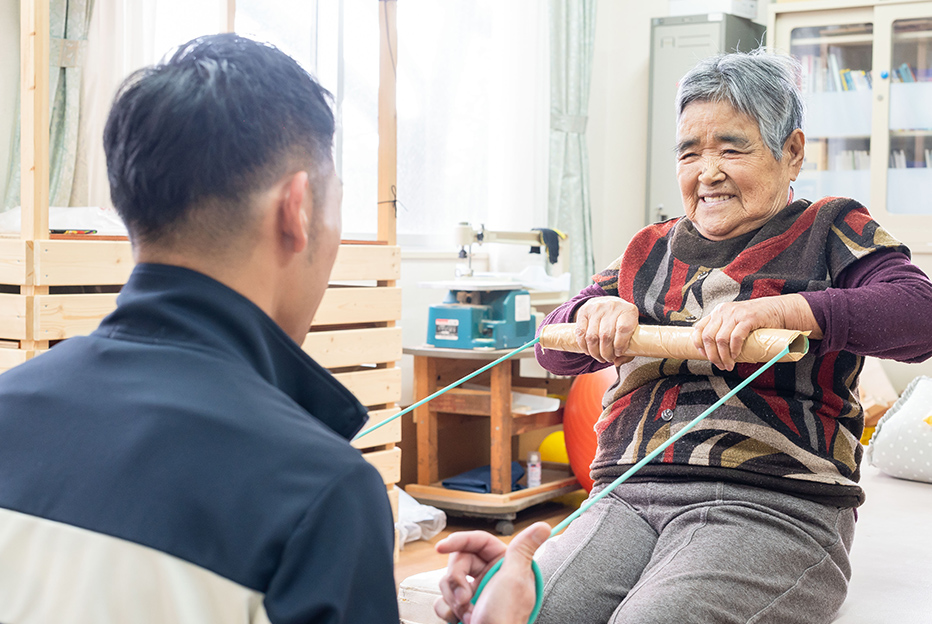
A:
{"x":730,"y":182}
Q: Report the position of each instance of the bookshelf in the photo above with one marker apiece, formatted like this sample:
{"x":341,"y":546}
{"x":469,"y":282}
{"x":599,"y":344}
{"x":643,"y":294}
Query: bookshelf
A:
{"x":867,"y":83}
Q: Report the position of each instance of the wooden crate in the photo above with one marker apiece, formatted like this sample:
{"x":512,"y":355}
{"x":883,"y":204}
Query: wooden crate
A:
{"x":354,"y":335}
{"x":33,"y":311}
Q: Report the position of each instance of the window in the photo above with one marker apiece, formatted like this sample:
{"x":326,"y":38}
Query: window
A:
{"x":472,"y":98}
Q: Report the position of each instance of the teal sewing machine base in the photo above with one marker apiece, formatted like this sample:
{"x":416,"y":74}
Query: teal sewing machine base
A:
{"x":497,"y":319}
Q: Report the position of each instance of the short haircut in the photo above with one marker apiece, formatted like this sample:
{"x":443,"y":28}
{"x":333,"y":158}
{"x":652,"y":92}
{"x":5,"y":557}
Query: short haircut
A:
{"x":194,"y":137}
{"x":760,"y":84}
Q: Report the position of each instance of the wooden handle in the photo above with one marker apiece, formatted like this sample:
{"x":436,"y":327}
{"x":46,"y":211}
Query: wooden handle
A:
{"x":667,"y":341}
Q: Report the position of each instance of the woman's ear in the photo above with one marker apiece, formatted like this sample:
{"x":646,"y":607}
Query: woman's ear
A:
{"x":794,"y":148}
{"x":293,"y":213}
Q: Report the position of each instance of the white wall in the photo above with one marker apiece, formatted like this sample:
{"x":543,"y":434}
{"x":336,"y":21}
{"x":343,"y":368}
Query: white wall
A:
{"x":617,"y":131}
{"x":9,"y":79}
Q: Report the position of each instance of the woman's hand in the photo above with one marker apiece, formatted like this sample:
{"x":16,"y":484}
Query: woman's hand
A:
{"x":720,"y":336}
{"x":509,"y":596}
{"x":604,"y":326}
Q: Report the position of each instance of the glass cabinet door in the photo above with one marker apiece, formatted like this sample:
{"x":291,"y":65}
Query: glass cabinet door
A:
{"x":909,"y":174}
{"x":836,"y":82}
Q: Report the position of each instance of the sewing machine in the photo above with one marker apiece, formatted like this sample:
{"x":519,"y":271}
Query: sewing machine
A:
{"x":480,"y":313}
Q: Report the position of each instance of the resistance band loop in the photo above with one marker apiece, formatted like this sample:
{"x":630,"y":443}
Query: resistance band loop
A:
{"x":450,"y":387}
{"x":633,"y":469}
{"x":538,"y":578}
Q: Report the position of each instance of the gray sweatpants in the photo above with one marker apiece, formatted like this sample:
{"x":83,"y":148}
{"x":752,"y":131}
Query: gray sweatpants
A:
{"x":702,"y":552}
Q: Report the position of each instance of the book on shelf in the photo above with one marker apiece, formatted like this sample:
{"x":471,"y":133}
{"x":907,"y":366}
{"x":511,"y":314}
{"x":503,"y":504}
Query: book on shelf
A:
{"x":852,"y":160}
{"x":816,"y":155}
{"x":905,"y":73}
{"x":847,"y":84}
{"x":821,"y":73}
{"x":929,"y":159}
{"x":860,"y":79}
{"x":898,"y":159}
{"x":834,"y":72}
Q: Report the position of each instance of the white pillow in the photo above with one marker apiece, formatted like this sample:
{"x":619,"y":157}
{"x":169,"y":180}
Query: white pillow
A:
{"x":902,"y":443}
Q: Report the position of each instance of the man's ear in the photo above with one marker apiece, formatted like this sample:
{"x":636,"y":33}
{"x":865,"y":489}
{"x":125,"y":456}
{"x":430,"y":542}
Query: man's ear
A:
{"x":293,"y":216}
{"x":794,"y":148}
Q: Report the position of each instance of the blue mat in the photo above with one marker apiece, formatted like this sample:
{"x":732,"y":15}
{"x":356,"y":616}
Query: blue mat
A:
{"x":479,"y":480}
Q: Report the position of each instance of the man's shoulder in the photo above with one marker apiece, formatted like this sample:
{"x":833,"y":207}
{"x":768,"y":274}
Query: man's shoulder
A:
{"x":179,"y":445}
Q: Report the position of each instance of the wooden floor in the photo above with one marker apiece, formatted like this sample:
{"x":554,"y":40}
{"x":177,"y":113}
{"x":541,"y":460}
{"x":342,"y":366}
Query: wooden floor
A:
{"x":420,"y":556}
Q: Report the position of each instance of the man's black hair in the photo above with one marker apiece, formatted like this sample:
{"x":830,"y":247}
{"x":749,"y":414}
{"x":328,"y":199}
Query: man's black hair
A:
{"x":221,"y":119}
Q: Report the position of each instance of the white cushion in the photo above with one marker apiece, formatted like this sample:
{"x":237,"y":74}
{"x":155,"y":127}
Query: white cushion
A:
{"x":902,"y":443}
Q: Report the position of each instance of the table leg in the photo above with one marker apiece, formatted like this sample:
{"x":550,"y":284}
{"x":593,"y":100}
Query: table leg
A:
{"x":501,"y":428}
{"x":425,"y":384}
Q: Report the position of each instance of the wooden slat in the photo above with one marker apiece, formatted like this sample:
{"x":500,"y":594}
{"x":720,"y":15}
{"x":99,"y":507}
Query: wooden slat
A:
{"x":386,"y":434}
{"x":533,"y":422}
{"x":12,"y":316}
{"x":77,"y":263}
{"x":65,"y":316}
{"x":501,"y":430}
{"x":342,"y":306}
{"x":373,"y":387}
{"x":425,"y":384}
{"x":388,"y":121}
{"x":13,"y":263}
{"x":393,"y":501}
{"x":552,"y":480}
{"x":387,"y":462}
{"x":366,"y":262}
{"x":463,"y":401}
{"x":34,"y":118}
{"x":13,"y":357}
{"x":352,"y":347}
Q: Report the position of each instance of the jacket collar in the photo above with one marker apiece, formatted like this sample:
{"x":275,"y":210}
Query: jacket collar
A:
{"x":170,"y":304}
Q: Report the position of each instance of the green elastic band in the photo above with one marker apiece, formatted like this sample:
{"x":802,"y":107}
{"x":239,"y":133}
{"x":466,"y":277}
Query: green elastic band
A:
{"x":538,"y":586}
{"x":411,"y":408}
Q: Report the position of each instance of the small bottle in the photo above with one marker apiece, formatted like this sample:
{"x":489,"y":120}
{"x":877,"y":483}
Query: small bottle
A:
{"x":533,"y":469}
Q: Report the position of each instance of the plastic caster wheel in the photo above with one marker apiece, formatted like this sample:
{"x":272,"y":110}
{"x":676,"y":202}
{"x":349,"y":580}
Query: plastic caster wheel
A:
{"x":504,"y":527}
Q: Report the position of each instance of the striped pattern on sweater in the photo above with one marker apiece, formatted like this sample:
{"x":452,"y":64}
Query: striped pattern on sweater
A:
{"x":798,"y":423}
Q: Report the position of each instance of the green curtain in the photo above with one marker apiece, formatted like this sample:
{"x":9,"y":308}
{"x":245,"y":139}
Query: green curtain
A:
{"x":572,"y":38}
{"x":68,"y":26}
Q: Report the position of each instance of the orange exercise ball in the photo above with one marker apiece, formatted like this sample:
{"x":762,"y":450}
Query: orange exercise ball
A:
{"x":583,"y":408}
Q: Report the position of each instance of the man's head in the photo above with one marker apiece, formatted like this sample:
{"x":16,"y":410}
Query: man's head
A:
{"x":191,"y":140}
{"x":220,"y":159}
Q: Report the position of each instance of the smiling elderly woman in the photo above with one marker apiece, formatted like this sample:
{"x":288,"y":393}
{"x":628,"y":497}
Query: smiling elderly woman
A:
{"x":750,"y":516}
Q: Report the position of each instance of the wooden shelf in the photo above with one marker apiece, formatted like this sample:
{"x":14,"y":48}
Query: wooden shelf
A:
{"x":478,"y":403}
{"x":856,"y":39}
{"x":556,"y":480}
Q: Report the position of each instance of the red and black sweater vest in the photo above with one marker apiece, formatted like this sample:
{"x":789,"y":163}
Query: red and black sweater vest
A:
{"x":796,"y":428}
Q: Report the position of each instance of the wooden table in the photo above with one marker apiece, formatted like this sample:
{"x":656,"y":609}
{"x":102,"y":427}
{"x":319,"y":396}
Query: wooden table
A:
{"x":435,"y":368}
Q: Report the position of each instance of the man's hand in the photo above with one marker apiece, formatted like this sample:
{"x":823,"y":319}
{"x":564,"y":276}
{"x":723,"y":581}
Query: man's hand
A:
{"x":604,"y":326}
{"x":509,"y":597}
{"x":720,"y":336}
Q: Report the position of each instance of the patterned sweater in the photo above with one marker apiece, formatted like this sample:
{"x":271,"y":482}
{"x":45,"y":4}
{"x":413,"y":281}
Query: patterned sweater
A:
{"x":794,"y":429}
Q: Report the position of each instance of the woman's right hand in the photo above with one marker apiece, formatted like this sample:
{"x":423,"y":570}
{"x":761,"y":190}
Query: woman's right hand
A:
{"x":604,"y":326}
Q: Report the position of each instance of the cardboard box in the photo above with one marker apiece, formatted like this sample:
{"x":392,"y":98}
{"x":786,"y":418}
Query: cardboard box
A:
{"x":742,"y":8}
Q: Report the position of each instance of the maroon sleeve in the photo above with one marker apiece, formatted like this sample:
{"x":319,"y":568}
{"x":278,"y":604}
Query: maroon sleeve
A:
{"x":561,"y":362}
{"x":880,"y":306}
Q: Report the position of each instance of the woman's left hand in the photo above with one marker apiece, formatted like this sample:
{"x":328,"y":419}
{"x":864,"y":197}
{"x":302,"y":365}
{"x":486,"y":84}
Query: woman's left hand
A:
{"x":720,"y":336}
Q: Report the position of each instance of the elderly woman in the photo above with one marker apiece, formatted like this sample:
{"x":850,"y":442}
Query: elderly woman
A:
{"x":750,"y":516}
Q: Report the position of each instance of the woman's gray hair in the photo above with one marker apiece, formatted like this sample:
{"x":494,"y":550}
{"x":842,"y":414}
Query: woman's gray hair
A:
{"x":760,"y":84}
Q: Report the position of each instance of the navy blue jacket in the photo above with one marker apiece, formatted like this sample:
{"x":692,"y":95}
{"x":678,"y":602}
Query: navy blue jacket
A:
{"x":187,"y":462}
